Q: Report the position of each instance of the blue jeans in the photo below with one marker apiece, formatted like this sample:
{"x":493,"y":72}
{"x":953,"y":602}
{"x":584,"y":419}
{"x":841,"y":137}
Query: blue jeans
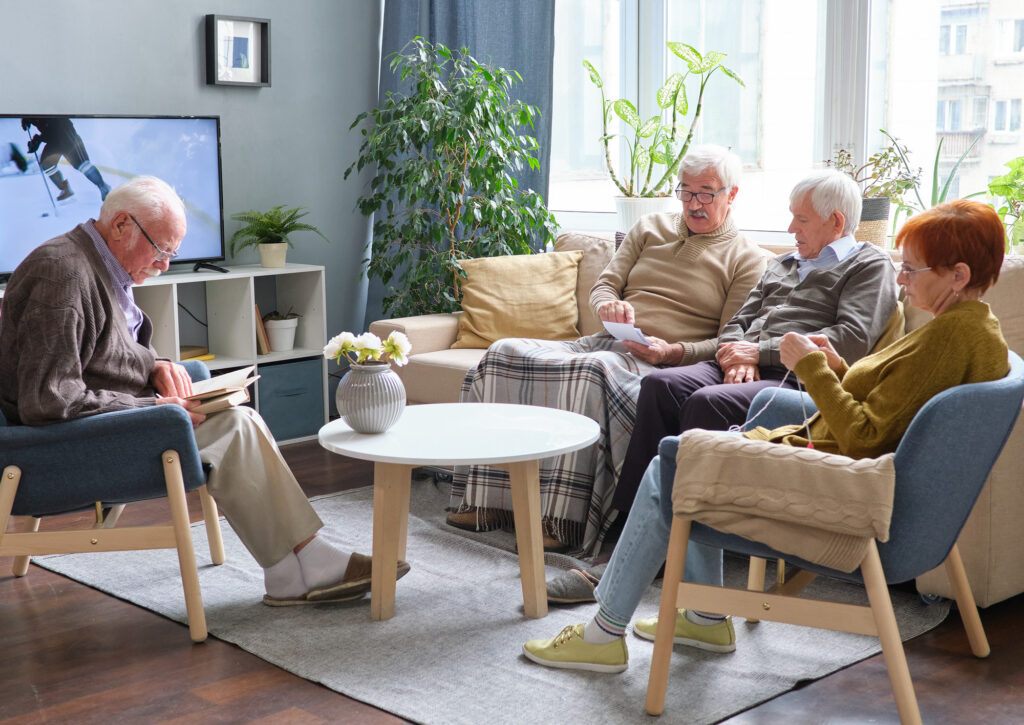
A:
{"x":641,"y":549}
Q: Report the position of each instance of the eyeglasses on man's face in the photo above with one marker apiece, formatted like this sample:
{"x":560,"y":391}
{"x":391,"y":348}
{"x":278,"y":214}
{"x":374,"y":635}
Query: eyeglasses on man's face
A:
{"x":161,"y":255}
{"x":907,"y":271}
{"x":703,"y":197}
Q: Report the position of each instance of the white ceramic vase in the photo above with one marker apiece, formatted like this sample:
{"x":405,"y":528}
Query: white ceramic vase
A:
{"x":629,"y":209}
{"x":371,"y":397}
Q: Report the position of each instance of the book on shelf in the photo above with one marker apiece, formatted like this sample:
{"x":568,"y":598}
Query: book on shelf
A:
{"x":192,"y":352}
{"x":262,"y":341}
{"x":223,"y":391}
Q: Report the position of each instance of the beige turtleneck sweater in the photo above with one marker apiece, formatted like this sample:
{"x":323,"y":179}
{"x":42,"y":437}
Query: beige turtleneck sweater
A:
{"x":683,"y":287}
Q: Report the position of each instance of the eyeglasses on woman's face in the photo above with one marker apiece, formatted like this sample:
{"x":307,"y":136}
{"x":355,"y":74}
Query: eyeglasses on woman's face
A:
{"x":907,"y":271}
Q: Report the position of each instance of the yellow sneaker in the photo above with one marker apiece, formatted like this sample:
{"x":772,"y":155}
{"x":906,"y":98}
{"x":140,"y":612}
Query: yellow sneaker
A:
{"x":568,"y":651}
{"x":719,"y":637}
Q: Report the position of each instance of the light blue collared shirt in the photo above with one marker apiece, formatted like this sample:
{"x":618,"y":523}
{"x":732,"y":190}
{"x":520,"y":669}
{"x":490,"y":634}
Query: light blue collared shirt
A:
{"x":121,"y":279}
{"x":831,"y":255}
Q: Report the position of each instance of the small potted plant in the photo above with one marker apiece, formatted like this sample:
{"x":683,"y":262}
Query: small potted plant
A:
{"x":885,"y":178}
{"x":281,"y":329}
{"x":268,"y":231}
{"x":658,"y":144}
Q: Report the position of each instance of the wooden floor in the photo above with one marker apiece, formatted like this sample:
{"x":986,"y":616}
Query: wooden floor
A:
{"x":71,"y":654}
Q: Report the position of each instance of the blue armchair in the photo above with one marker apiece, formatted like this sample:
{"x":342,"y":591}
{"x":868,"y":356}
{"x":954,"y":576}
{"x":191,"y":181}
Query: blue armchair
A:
{"x":940,"y":467}
{"x":106,"y":461}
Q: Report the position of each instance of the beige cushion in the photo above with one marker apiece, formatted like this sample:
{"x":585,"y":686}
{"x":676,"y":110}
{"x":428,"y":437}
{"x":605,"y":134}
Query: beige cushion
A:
{"x":531,"y":295}
{"x":436,"y":377}
{"x":597,"y":249}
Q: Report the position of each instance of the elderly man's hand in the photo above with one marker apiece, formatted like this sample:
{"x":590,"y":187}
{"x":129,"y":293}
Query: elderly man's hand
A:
{"x":616,"y":311}
{"x":658,"y":352}
{"x":737,"y":353}
{"x":741,"y":373}
{"x":197,"y":418}
{"x":793,"y":347}
{"x":170,"y":380}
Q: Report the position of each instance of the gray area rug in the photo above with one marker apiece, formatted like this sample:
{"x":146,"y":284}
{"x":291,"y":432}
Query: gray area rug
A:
{"x":452,"y":653}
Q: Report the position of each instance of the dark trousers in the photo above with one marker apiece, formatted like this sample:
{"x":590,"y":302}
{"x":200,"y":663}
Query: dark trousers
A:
{"x":673,"y":400}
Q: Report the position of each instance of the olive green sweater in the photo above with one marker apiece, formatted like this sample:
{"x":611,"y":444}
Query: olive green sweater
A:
{"x":864,"y":410}
{"x":684,"y":287}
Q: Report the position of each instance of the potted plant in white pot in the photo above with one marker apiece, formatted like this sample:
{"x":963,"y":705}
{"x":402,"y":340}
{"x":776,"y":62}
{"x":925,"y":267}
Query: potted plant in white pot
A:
{"x":268,"y":231}
{"x":656,"y":146}
{"x":281,"y":329}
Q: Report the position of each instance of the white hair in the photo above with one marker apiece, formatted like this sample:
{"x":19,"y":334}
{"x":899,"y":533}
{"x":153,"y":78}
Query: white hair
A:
{"x":831,"y":191}
{"x":709,"y":157}
{"x":145,"y":196}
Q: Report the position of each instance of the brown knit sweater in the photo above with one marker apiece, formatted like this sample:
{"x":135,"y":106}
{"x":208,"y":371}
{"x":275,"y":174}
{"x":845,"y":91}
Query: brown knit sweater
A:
{"x":65,"y":348}
{"x":683,"y":287}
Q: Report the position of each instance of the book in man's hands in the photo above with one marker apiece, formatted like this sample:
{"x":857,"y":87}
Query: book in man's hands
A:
{"x":223,"y":391}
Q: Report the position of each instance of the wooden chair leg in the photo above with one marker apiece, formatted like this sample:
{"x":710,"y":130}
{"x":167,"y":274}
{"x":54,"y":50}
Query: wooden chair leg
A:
{"x":212,"y":519}
{"x":965,"y":603}
{"x":186,"y":552}
{"x":889,"y":634}
{"x":675,"y":562}
{"x":755,"y":576}
{"x":20,"y":567}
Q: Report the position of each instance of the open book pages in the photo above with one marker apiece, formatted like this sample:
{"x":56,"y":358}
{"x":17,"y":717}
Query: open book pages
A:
{"x":223,"y":391}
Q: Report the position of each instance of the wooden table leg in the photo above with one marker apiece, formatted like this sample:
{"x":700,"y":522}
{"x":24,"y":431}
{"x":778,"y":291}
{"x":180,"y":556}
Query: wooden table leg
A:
{"x":524,"y":479}
{"x":390,"y":503}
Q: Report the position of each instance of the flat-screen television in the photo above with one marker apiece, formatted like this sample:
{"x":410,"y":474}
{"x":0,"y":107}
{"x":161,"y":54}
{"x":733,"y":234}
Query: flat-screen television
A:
{"x":56,"y":170}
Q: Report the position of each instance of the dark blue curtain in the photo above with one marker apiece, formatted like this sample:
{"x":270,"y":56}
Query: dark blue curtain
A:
{"x":515,"y":34}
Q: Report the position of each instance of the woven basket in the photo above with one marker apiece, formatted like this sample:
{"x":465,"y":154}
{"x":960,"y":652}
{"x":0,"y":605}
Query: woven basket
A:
{"x":874,"y":221}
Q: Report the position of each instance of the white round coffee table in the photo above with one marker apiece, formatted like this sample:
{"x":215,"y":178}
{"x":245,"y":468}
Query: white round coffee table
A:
{"x":513,"y":437}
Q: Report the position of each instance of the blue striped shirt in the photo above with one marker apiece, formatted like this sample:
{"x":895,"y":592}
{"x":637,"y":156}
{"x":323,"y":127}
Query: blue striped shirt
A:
{"x":121,"y":279}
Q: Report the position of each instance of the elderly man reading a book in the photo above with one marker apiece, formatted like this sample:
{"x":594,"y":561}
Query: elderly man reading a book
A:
{"x":73,"y":343}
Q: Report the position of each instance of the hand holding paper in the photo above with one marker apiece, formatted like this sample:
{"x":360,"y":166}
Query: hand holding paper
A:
{"x":623,"y":331}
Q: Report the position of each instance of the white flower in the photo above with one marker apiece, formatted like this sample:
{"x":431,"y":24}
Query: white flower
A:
{"x":338,"y":344}
{"x":367,"y":341}
{"x":397,"y":348}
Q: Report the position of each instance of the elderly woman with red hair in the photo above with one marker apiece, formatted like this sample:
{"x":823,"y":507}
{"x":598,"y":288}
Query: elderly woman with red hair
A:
{"x":952,"y":253}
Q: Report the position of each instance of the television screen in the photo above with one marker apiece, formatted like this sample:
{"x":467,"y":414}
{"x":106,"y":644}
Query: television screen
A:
{"x":55,"y":172}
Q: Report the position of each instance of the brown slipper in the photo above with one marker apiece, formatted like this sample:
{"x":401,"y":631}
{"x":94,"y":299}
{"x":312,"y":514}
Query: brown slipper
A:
{"x":304,"y":599}
{"x":355,"y":583}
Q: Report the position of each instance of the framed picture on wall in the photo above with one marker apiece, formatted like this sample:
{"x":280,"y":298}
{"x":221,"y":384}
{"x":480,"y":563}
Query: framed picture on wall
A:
{"x":237,"y":51}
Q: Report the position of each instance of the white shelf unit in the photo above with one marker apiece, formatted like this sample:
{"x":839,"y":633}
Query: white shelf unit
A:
{"x":226,"y":302}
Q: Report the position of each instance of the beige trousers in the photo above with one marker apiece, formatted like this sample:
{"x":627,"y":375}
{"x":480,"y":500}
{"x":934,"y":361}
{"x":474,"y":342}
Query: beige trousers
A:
{"x":253,"y":486}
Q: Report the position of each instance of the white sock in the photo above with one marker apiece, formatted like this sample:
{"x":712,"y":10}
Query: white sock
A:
{"x":321,"y":563}
{"x":704,"y":619}
{"x":593,"y":634}
{"x":284,"y":580}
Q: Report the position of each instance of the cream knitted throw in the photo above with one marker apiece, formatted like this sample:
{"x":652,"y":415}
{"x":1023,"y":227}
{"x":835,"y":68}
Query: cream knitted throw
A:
{"x":822,"y":507}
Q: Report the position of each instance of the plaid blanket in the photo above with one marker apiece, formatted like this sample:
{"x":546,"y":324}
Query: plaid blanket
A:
{"x":594,"y":376}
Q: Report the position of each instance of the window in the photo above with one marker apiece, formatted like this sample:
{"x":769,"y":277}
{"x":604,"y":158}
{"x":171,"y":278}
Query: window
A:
{"x":820,"y":74}
{"x":980,"y":118}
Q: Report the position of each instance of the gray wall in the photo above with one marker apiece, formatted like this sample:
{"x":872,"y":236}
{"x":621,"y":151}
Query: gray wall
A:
{"x":286,"y":144}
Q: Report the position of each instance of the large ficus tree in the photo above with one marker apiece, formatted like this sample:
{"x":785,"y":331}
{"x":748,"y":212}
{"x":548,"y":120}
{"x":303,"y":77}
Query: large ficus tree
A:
{"x":444,"y":155}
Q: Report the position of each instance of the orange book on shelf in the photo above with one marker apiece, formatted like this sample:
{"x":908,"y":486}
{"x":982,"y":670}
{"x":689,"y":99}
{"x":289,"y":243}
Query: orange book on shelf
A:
{"x":262,"y":341}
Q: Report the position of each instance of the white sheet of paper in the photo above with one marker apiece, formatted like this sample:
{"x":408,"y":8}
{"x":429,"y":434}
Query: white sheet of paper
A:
{"x":624,"y":331}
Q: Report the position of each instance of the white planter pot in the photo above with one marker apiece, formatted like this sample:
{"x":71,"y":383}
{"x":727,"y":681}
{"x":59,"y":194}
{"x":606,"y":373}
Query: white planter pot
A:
{"x":272,"y":255}
{"x":629,"y":209}
{"x":281,"y":333}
